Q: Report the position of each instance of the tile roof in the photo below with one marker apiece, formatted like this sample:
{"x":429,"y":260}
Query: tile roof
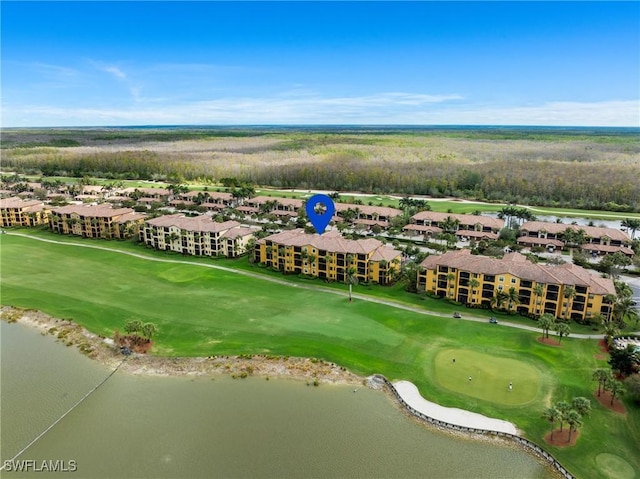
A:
{"x":590,"y":231}
{"x":605,"y":248}
{"x":369,"y":210}
{"x":239,"y":231}
{"x":99,"y":211}
{"x":529,"y":240}
{"x":477,"y":234}
{"x":17,"y":202}
{"x":258,"y":200}
{"x":494,"y":223}
{"x":330,"y":241}
{"x":201,"y":223}
{"x":519,"y":266}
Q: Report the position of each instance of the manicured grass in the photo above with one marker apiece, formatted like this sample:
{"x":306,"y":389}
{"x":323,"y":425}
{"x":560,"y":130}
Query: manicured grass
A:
{"x":490,"y":376}
{"x":202,"y":311}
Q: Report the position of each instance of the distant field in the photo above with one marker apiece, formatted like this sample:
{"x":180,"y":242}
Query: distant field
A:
{"x":201,"y":311}
{"x":592,"y":169}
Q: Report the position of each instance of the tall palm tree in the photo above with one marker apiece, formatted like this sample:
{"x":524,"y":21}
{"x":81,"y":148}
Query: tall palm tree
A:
{"x":538,"y":291}
{"x":451,"y":277}
{"x":569,"y":293}
{"x":351,"y":279}
{"x":582,"y":405}
{"x":616,"y":388}
{"x":512,"y":298}
{"x":564,"y":408}
{"x":474,"y":283}
{"x":574,"y":420}
{"x":632,"y":225}
{"x":602,"y":375}
{"x":552,"y":415}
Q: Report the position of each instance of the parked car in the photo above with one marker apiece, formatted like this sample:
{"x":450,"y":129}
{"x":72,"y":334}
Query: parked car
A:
{"x":457,"y":315}
{"x":493,"y":320}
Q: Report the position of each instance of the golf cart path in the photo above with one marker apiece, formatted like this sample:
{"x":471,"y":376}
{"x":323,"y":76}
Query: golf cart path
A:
{"x":362,"y":297}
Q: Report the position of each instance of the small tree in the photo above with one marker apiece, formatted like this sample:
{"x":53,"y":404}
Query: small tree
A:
{"x":148,"y":330}
{"x":562,"y":329}
{"x":133,"y":327}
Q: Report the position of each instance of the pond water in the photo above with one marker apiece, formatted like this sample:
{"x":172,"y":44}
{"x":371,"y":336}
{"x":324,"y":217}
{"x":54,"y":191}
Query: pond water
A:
{"x":144,"y":427}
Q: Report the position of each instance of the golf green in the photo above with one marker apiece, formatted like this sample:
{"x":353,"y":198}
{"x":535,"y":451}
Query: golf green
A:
{"x":486,"y":377}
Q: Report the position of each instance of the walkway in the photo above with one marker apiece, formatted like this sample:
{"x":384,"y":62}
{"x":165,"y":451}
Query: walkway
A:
{"x":309,"y":287}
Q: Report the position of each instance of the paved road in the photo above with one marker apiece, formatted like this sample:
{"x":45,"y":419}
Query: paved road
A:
{"x":309,"y":287}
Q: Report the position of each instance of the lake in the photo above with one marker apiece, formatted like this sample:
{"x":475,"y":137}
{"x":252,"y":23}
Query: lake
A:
{"x":181,"y":427}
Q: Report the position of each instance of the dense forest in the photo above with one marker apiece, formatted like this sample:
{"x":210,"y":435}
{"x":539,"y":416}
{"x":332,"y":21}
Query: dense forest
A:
{"x":591,"y":169}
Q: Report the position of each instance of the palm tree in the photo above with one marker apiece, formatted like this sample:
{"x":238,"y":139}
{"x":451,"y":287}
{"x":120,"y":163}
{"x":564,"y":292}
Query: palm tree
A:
{"x":562,"y":329}
{"x":133,"y":327}
{"x":451,"y":277}
{"x":632,"y":225}
{"x":610,"y":330}
{"x":148,"y":330}
{"x":564,"y":408}
{"x":351,"y":279}
{"x":582,"y":405}
{"x":538,"y":290}
{"x":552,"y":415}
{"x":546,"y":322}
{"x":574,"y":421}
{"x":474,"y":283}
{"x":601,"y":375}
{"x":616,"y":388}
{"x":450,"y":225}
{"x":498,"y":300}
{"x":512,"y":298}
{"x":569,"y":293}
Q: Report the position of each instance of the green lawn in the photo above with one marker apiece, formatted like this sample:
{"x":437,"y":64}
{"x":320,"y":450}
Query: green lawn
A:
{"x":203,"y":311}
{"x":490,"y":376}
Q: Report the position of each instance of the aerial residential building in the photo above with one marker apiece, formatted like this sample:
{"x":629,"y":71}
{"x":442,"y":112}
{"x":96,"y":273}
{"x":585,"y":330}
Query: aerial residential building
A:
{"x":592,"y":234}
{"x":15,"y":211}
{"x":564,"y":291}
{"x":367,"y":215}
{"x":329,"y":256}
{"x":96,"y":221}
{"x":456,"y":222}
{"x":197,"y":235}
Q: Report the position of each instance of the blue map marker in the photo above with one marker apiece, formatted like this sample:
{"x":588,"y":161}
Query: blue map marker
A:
{"x":320,"y":220}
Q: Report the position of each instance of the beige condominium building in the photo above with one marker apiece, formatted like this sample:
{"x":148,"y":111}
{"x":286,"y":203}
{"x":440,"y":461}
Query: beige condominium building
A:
{"x":15,"y":211}
{"x":96,"y":221}
{"x":565,"y":291}
{"x":197,"y":235}
{"x":329,"y":256}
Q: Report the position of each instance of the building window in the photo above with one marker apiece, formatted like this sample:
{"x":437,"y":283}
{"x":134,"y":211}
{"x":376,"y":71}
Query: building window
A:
{"x":501,"y":279}
{"x":500,"y":288}
{"x":513,"y":281}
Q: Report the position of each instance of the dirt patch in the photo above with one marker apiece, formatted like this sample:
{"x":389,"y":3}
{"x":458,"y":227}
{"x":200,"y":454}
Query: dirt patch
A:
{"x":600,"y":356}
{"x":549,"y":342}
{"x":605,"y":400}
{"x":602,"y":346}
{"x":561,"y":438}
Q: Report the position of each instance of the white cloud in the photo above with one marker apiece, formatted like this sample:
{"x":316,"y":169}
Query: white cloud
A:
{"x":116,"y":72}
{"x":304,"y":107}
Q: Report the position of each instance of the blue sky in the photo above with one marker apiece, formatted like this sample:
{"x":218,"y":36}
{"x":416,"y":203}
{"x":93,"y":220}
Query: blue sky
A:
{"x":152,"y":63}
